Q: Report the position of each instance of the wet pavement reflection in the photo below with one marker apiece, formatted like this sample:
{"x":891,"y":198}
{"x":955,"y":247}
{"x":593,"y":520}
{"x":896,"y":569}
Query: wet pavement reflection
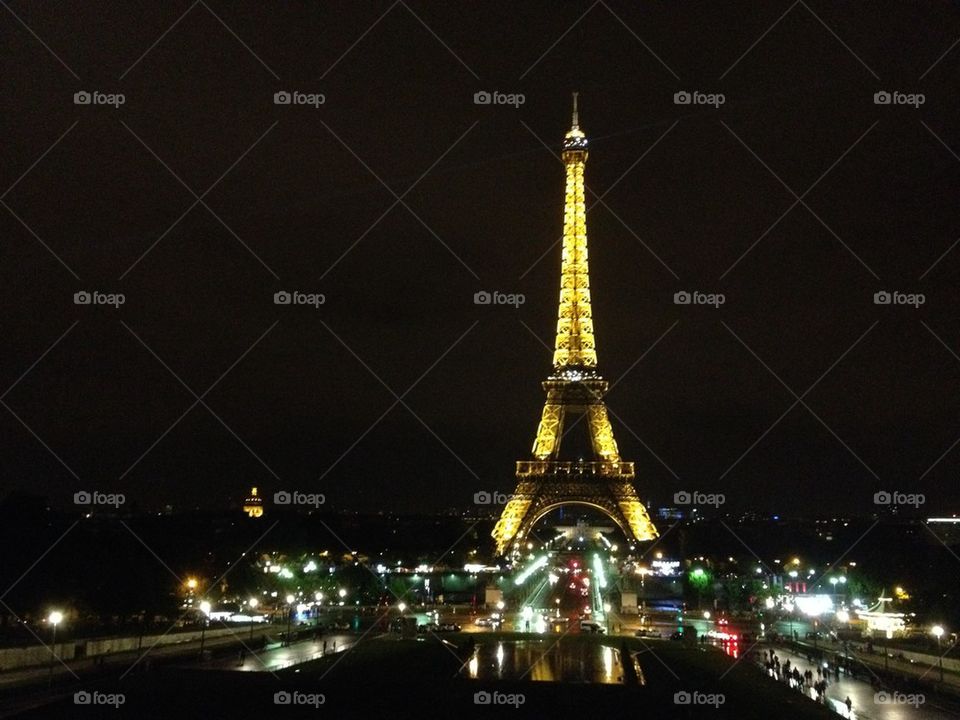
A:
{"x":548,"y":660}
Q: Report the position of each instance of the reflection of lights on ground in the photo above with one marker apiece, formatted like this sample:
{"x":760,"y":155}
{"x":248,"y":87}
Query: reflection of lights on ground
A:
{"x":608,"y":662}
{"x":499,"y":657}
{"x":473,"y":665}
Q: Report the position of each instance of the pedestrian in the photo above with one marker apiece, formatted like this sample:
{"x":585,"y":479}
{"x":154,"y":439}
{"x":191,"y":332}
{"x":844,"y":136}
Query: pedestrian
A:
{"x":849,"y":703}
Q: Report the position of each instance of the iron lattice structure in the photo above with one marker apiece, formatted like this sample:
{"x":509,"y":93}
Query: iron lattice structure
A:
{"x":575,"y":388}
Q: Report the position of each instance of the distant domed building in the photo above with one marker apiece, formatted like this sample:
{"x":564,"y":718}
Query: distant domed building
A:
{"x":253,"y":505}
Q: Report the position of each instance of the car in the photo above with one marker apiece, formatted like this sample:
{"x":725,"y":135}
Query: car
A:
{"x":448,"y":627}
{"x":648,"y":633}
{"x":677,"y":635}
{"x":429,"y":627}
{"x":487,"y":621}
{"x":590,"y":626}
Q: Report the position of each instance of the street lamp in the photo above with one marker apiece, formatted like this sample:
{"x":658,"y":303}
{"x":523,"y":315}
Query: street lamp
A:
{"x":252,"y":602}
{"x":937,"y":631}
{"x":290,"y":600}
{"x":205,"y":609}
{"x":54,"y":618}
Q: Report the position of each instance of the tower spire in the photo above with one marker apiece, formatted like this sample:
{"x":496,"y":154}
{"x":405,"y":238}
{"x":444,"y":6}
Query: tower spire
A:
{"x":574,"y":349}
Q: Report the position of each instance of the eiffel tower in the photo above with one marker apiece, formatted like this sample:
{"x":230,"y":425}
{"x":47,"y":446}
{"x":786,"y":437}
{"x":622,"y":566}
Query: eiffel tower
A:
{"x":575,"y":388}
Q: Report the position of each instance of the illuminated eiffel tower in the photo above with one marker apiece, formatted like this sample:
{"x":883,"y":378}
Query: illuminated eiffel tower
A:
{"x":574,"y":388}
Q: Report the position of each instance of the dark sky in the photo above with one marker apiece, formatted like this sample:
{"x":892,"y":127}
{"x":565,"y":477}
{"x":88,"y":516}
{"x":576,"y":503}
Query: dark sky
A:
{"x":295,"y":213}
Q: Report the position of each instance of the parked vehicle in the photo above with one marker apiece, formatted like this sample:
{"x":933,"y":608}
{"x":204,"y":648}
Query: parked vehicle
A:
{"x":648,"y":633}
{"x":590,"y":626}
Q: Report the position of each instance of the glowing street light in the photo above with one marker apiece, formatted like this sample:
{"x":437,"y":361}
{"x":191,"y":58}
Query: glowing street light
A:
{"x":937,"y":631}
{"x":205,"y":609}
{"x":191,"y":583}
{"x":402,"y":607}
{"x":54,"y":618}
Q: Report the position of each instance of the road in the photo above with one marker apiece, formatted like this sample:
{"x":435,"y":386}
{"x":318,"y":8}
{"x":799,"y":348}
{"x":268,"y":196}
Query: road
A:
{"x":276,"y":656}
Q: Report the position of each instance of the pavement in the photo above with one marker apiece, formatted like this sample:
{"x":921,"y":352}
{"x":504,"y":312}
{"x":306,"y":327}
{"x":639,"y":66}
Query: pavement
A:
{"x":868,"y":703}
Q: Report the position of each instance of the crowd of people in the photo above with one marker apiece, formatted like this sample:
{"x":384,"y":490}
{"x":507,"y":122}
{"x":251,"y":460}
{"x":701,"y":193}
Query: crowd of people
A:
{"x":803,"y":681}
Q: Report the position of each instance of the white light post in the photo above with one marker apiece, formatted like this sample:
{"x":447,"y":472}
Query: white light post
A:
{"x":289,"y":600}
{"x":252,"y":602}
{"x":937,"y":631}
{"x":55,"y":618}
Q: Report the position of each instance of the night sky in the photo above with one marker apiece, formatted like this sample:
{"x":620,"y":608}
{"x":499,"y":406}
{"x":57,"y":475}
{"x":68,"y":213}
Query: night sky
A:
{"x":299,"y":198}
